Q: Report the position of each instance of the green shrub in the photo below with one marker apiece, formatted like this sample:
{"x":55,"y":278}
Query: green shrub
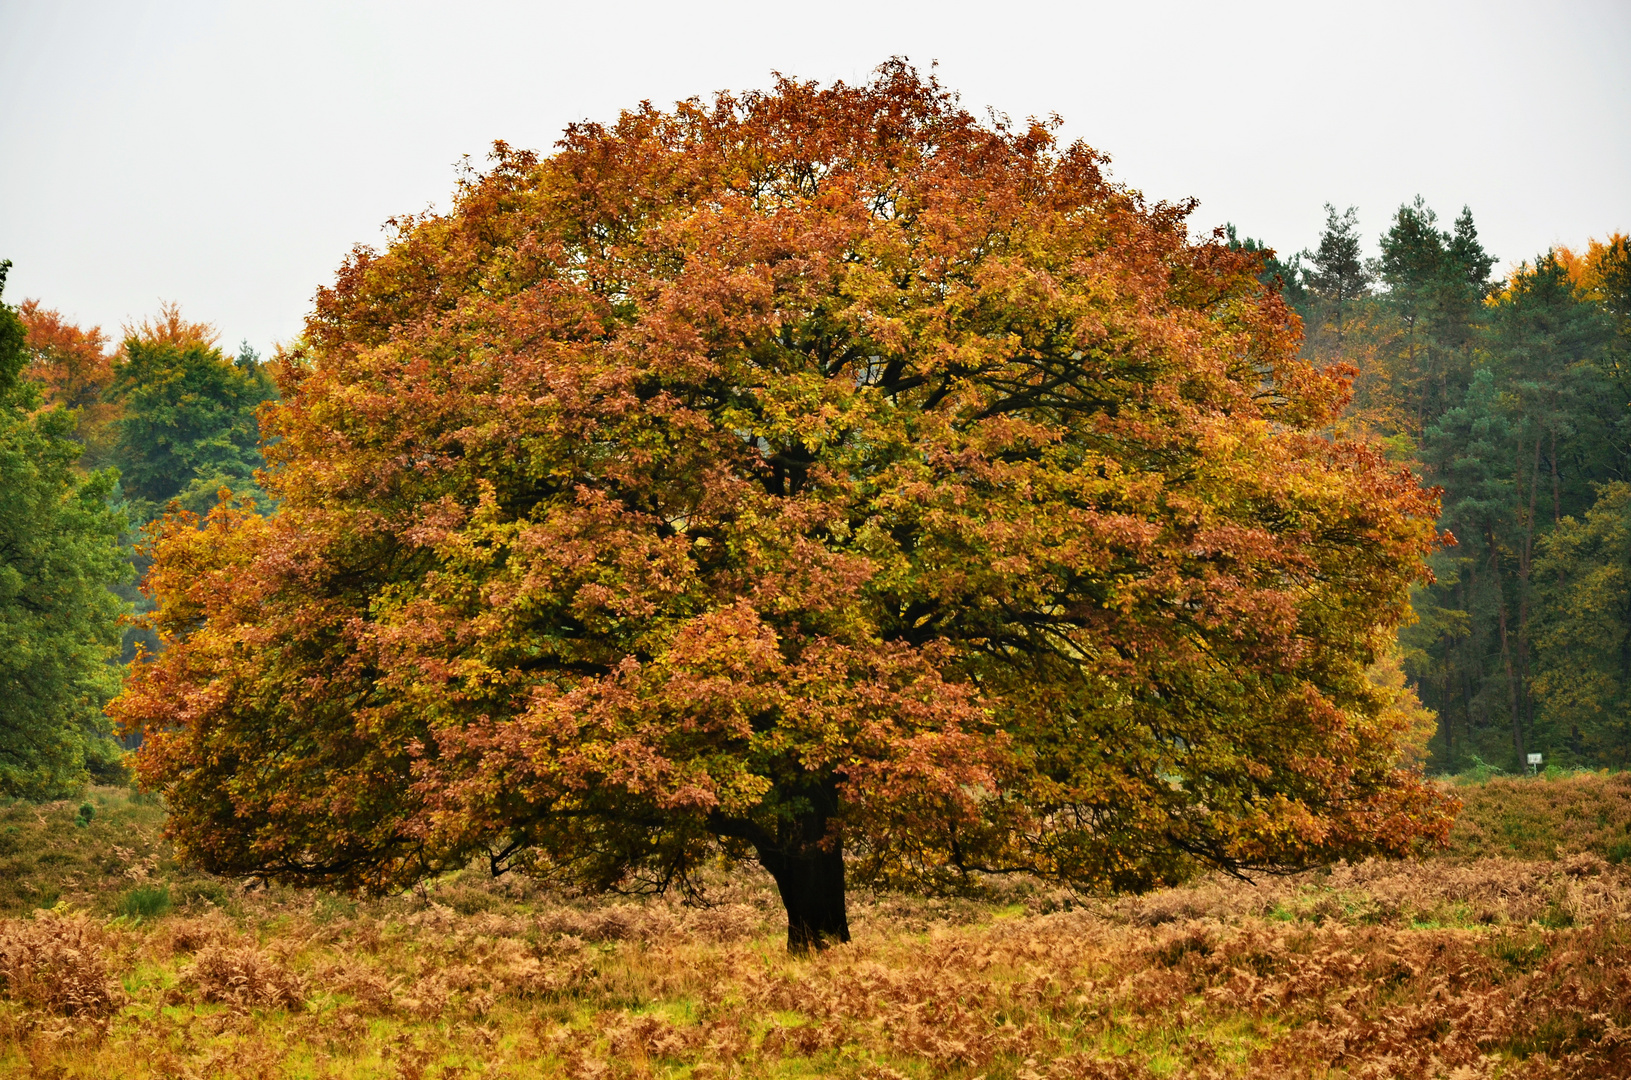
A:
{"x":87,"y":811}
{"x":1481,"y":771}
{"x":145,"y":901}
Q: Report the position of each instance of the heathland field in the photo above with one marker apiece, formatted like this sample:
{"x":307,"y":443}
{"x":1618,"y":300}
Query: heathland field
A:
{"x":1507,"y":956}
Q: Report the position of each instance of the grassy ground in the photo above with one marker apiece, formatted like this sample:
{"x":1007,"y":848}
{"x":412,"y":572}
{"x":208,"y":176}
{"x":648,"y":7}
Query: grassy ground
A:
{"x":1536,"y":818}
{"x":1510,"y":956}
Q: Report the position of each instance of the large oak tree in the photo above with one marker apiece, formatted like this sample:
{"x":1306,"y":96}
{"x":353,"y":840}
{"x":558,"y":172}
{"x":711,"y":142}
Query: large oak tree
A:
{"x":817,"y":476}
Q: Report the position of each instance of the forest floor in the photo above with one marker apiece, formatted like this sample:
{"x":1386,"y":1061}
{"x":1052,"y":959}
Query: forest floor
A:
{"x":1507,"y":956}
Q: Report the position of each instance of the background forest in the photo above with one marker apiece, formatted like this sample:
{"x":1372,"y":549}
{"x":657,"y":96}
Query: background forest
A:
{"x":1511,"y":395}
{"x":95,"y":442}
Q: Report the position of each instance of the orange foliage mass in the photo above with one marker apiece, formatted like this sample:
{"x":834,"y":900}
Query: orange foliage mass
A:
{"x":814,"y":472}
{"x":75,"y":368}
{"x":1587,"y":269}
{"x":169,"y":328}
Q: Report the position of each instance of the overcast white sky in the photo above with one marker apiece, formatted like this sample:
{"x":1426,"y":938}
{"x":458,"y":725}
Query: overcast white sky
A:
{"x":226,"y":155}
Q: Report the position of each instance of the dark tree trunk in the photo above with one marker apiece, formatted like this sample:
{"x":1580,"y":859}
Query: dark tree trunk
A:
{"x":805,"y":856}
{"x":1525,"y":563}
{"x":1470,"y":661}
{"x":1506,"y":654}
{"x":1448,"y":720}
{"x":1557,"y":497}
{"x":810,"y":878}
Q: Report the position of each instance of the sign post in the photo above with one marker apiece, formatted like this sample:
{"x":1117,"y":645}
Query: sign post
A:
{"x":1534,"y":763}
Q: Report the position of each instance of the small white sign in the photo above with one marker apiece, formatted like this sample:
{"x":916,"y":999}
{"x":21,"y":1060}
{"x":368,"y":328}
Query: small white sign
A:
{"x":1534,"y":759}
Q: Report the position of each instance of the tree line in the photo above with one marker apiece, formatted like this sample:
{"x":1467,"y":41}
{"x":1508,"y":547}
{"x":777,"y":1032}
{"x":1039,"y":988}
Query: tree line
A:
{"x":96,"y":442}
{"x":1510,"y":394}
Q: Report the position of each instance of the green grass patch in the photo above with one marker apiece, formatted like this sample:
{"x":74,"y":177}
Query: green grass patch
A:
{"x":145,"y":902}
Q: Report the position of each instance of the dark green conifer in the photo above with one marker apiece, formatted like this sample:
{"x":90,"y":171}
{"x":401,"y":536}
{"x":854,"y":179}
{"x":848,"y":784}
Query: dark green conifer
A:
{"x":1337,"y":273}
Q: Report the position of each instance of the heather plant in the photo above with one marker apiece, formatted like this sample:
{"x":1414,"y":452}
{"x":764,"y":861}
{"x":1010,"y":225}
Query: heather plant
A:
{"x":1536,"y":817}
{"x":1528,"y":977}
{"x":51,"y":852}
{"x":239,"y":975}
{"x":55,"y":962}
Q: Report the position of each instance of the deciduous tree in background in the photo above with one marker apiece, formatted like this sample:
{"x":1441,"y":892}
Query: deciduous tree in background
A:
{"x":74,"y":370}
{"x":187,"y":426}
{"x":1602,"y":276}
{"x":816,"y":477}
{"x":1583,"y":576}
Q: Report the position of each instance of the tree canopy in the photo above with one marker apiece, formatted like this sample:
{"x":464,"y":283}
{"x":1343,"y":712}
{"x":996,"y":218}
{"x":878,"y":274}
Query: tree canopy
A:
{"x":816,"y":476}
{"x":75,"y":372}
{"x":59,"y":622}
{"x":187,"y":425}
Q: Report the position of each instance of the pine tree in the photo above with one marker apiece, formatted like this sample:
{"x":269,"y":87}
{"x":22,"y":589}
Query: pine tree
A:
{"x":1435,"y":284}
{"x":1467,"y":255}
{"x":1540,"y":425}
{"x":1284,"y":277}
{"x":1337,"y":273}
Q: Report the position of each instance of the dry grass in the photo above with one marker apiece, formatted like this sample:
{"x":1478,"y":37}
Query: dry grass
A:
{"x":241,"y":975}
{"x":1453,"y":968}
{"x":58,"y":964}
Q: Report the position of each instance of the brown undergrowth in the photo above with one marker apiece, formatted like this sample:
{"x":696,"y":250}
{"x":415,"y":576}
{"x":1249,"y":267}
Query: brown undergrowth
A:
{"x":1495,"y":967}
{"x":1533,"y":818}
